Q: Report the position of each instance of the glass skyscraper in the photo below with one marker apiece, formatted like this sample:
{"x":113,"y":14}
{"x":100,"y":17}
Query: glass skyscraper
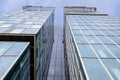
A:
{"x":92,"y":44}
{"x":14,"y":61}
{"x":34,"y":24}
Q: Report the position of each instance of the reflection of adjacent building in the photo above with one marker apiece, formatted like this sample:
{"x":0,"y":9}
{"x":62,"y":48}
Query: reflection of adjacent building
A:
{"x":14,"y":61}
{"x":36,"y":27}
{"x":92,"y":45}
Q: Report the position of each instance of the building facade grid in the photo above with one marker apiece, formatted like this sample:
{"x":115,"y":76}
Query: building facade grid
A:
{"x":92,"y":47}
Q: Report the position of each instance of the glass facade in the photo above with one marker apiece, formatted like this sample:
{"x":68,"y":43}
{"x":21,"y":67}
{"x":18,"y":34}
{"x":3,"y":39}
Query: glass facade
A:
{"x":92,"y":47}
{"x":36,"y":27}
{"x":14,"y":61}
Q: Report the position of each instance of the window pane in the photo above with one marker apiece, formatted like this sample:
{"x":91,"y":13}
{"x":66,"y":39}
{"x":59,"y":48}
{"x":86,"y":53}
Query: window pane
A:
{"x":102,"y":51}
{"x":96,"y":32}
{"x":115,"y":39}
{"x":30,"y":31}
{"x":5,"y":63}
{"x":23,"y":26}
{"x":6,"y":25}
{"x":92,"y":39}
{"x":16,"y":49}
{"x":76,"y":31}
{"x":4,"y":47}
{"x":116,"y":32}
{"x":82,"y":26}
{"x":115,"y":50}
{"x":36,"y":26}
{"x":107,"y":33}
{"x":3,"y":29}
{"x":95,"y":70}
{"x":74,"y":27}
{"x":80,"y":39}
{"x":87,"y":32}
{"x":85,"y":50}
{"x":104,"y":39}
{"x":17,"y":31}
{"x":114,"y":67}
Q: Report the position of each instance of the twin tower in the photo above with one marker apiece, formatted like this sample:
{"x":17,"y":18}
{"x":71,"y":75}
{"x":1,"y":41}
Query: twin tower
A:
{"x":91,"y":44}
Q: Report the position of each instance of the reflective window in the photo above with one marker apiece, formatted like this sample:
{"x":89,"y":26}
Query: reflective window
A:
{"x":80,"y":39}
{"x":74,"y":27}
{"x":82,"y":27}
{"x":3,"y":29}
{"x":102,"y":51}
{"x":5,"y":63}
{"x":30,"y":31}
{"x":28,"y":22}
{"x":115,"y":39}
{"x":23,"y":26}
{"x":90,"y":27}
{"x":114,"y":49}
{"x":16,"y":49}
{"x":87,"y":32}
{"x":17,"y":31}
{"x":95,"y":70}
{"x":116,"y":32}
{"x":104,"y":39}
{"x":96,"y":32}
{"x":36,"y":26}
{"x":4,"y":47}
{"x":12,"y":21}
{"x":85,"y":50}
{"x":107,"y":33}
{"x":6,"y":25}
{"x":114,"y":67}
{"x":39,"y":22}
{"x":76,"y":31}
{"x":92,"y":39}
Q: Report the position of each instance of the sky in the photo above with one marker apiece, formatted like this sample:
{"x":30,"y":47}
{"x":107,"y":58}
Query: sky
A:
{"x":105,"y":6}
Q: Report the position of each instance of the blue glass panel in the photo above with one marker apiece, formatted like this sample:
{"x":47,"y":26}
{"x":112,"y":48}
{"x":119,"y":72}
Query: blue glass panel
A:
{"x":82,"y":27}
{"x":87,"y":32}
{"x":4,"y":47}
{"x":85,"y":50}
{"x":115,"y":50}
{"x":30,"y":31}
{"x":116,"y":32}
{"x":13,"y":21}
{"x":92,"y":39}
{"x":96,"y":32}
{"x":23,"y":26}
{"x":114,"y":67}
{"x":95,"y":70}
{"x":74,"y":27}
{"x":104,"y":39}
{"x":107,"y":33}
{"x":3,"y":29}
{"x":115,"y":39}
{"x":80,"y":39}
{"x":76,"y":31}
{"x":5,"y":63}
{"x":16,"y":49}
{"x":102,"y":51}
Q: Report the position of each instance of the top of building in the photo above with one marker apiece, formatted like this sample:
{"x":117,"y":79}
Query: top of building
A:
{"x":37,"y":8}
{"x":82,"y":10}
{"x":25,"y":21}
{"x":10,"y":52}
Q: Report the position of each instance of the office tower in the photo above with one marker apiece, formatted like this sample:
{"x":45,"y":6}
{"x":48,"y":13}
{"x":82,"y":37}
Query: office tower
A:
{"x":92,"y":44}
{"x":14,"y":61}
{"x":34,"y":24}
